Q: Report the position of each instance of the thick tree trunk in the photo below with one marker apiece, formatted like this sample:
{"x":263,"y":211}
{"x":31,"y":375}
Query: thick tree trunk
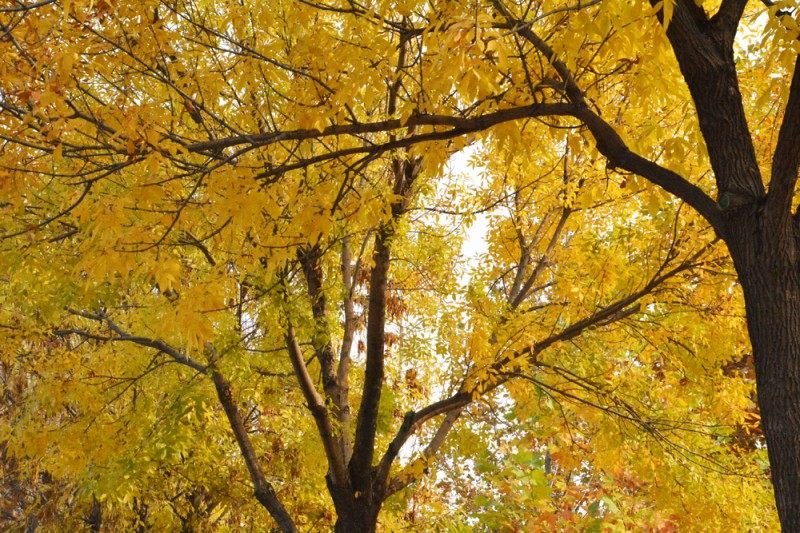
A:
{"x":359,"y":517}
{"x":759,"y":230}
{"x":766,"y":260}
{"x":356,"y":511}
{"x":365,"y":522}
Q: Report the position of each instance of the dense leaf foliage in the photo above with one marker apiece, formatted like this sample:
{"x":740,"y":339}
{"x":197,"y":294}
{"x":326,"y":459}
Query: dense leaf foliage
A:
{"x":371,"y":254}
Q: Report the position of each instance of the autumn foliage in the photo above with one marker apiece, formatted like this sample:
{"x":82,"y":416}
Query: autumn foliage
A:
{"x":393,"y":265}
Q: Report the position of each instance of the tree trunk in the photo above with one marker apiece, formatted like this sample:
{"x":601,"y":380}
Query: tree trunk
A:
{"x":766,"y":260}
{"x":356,"y":511}
{"x":359,"y":517}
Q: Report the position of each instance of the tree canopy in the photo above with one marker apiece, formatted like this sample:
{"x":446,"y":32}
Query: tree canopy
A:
{"x":399,"y":265}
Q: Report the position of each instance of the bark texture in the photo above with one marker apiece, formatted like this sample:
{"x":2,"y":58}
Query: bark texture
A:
{"x":759,"y":228}
{"x":768,"y":270}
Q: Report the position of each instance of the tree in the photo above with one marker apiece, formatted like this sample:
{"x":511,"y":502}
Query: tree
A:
{"x":255,"y":198}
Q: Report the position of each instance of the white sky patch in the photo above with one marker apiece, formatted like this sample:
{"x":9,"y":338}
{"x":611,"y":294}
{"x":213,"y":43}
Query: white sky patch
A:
{"x":475,"y":238}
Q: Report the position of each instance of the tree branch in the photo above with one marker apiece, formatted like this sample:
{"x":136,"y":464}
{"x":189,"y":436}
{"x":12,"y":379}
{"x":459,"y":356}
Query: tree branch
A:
{"x":309,"y":258}
{"x":400,"y":482}
{"x":405,"y":172}
{"x":609,"y":142}
{"x":779,"y":12}
{"x":318,"y":410}
{"x":26,"y":7}
{"x":503,"y":369}
{"x":696,"y":12}
{"x":726,"y":20}
{"x":348,"y":334}
{"x":611,"y":145}
{"x":705,"y":56}
{"x":523,"y":292}
{"x":412,"y":422}
{"x":264,"y":491}
{"x":786,"y":159}
{"x":124,"y":336}
{"x":465,"y":396}
{"x":611,"y":313}
{"x":475,"y":123}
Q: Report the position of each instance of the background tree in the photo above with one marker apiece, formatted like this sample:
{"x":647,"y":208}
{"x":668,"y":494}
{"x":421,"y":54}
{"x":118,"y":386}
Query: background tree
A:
{"x":237,"y":217}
